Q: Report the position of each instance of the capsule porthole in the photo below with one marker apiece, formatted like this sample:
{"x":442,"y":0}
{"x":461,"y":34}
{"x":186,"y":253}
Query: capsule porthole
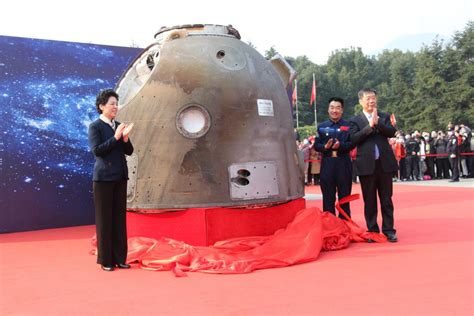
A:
{"x":193,"y":121}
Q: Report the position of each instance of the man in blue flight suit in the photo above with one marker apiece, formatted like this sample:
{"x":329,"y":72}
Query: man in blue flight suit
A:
{"x":336,"y":166}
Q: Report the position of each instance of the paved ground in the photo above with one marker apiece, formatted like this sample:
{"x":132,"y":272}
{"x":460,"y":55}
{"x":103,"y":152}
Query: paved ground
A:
{"x":312,"y":196}
{"x":463,"y":183}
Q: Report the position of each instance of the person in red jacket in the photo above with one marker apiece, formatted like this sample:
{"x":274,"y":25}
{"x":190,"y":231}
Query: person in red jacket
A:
{"x":400,"y":154}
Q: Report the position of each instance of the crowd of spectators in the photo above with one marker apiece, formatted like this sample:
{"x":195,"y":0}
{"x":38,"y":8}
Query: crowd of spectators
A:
{"x":312,"y":160}
{"x":421,"y":155}
{"x":434,"y":155}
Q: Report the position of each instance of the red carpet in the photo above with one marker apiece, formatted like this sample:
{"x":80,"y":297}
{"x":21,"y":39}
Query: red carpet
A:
{"x":428,"y":272}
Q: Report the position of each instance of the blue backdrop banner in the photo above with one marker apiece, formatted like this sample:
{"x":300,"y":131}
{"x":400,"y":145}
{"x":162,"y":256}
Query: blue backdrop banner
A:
{"x":47,"y":100}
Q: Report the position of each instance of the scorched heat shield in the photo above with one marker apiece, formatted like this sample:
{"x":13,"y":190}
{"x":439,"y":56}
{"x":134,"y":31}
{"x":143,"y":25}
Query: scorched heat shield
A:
{"x":212,"y":123}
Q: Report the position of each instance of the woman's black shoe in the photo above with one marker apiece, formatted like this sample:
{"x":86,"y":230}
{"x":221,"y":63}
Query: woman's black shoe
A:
{"x":107,"y":267}
{"x":123,"y":266}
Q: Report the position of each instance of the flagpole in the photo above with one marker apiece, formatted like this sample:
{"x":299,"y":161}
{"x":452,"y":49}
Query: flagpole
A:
{"x":296,"y":104}
{"x":315,"y":115}
{"x":297,"y":120}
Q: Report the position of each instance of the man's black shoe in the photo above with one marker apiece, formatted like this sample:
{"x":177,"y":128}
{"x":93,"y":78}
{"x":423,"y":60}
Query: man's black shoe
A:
{"x":457,"y":180}
{"x":107,"y":267}
{"x":123,"y":266}
{"x":392,"y":237}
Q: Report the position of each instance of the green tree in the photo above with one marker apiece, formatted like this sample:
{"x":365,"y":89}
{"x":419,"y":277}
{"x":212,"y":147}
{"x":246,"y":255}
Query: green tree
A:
{"x":395,"y":73}
{"x":348,"y":71}
{"x":251,"y":45}
{"x":461,"y":87}
{"x":270,"y":53}
{"x":425,"y":89}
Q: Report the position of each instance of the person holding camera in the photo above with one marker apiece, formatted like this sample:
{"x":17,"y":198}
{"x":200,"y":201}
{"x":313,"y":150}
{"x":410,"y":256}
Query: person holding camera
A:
{"x":452,"y":150}
{"x":442,"y":162}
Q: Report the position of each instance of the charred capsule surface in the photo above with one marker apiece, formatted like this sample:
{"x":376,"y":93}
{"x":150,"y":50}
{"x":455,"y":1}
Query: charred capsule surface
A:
{"x":213,"y":124}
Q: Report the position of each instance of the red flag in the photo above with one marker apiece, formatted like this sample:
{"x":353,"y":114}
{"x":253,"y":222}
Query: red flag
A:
{"x":393,"y":120}
{"x":295,"y":94}
{"x":313,"y":93}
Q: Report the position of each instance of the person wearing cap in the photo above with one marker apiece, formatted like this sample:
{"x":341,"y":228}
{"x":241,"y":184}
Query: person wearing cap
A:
{"x":336,"y":165}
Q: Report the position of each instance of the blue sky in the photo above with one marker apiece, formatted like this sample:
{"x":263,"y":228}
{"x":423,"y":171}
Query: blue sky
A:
{"x":299,"y":27}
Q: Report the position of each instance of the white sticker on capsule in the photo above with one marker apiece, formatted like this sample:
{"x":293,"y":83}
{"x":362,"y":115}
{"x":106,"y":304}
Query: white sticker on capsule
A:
{"x":265,"y":107}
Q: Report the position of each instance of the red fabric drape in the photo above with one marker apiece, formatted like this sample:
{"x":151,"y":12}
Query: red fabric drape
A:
{"x":301,"y":241}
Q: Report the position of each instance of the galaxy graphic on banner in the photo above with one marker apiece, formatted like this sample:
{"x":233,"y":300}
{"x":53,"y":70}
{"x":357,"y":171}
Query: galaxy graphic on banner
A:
{"x":47,"y":101}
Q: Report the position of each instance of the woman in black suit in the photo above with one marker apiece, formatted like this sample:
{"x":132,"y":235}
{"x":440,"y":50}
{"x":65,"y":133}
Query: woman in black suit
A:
{"x":375,"y":161}
{"x":109,"y":142}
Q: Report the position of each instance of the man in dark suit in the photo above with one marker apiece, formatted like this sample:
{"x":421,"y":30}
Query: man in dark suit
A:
{"x":109,"y":142}
{"x":336,"y":166}
{"x":452,"y":148}
{"x":375,"y":162}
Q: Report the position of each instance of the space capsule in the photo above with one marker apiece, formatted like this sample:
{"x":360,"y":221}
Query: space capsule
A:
{"x":212,"y":123}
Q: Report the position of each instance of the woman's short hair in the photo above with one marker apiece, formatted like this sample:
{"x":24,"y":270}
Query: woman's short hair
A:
{"x":103,"y":98}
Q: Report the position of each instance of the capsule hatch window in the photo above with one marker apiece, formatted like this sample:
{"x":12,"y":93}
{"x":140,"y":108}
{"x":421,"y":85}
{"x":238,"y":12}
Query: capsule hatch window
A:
{"x":138,"y":74}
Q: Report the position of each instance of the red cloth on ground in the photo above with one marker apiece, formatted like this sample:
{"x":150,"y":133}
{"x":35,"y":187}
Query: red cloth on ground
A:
{"x":301,"y":241}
